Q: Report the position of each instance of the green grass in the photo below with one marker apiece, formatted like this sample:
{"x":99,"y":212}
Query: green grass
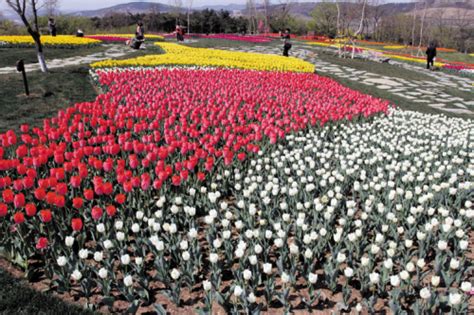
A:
{"x":213,"y":43}
{"x":68,"y":86}
{"x":17,"y":298}
{"x":9,"y":56}
{"x":375,"y":67}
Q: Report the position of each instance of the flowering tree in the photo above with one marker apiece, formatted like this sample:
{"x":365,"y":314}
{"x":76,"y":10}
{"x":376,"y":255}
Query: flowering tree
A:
{"x":22,"y":8}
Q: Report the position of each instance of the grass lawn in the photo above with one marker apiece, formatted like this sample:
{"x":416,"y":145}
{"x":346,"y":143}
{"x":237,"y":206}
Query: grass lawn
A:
{"x":49,"y":93}
{"x":213,"y":43}
{"x":9,"y":56}
{"x":375,"y":67}
{"x":17,"y":298}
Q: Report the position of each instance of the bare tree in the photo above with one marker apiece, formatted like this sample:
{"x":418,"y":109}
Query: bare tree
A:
{"x":22,"y":8}
{"x":177,"y":8}
{"x":266,"y":4}
{"x":415,"y":16}
{"x":189,"y":5}
{"x":51,"y":7}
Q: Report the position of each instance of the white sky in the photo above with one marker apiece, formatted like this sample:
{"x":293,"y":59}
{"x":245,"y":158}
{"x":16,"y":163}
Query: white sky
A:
{"x":97,"y":4}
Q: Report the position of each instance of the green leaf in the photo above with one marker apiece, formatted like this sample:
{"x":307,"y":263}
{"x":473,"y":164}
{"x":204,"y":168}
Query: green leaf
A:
{"x":108,"y":300}
{"x":134,"y":307}
{"x":160,"y":310}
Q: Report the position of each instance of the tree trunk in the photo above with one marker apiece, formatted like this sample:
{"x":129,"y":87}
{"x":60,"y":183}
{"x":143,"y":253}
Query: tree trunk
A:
{"x":189,"y":25}
{"x":39,"y":53}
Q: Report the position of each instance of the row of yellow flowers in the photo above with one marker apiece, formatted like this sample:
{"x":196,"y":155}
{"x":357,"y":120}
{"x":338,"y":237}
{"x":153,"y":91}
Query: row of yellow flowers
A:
{"x":178,"y":55}
{"x":60,"y":40}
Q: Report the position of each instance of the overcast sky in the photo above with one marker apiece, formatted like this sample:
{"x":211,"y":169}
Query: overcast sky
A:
{"x":96,"y":4}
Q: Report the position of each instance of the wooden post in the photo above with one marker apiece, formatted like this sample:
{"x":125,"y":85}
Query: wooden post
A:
{"x":20,"y":66}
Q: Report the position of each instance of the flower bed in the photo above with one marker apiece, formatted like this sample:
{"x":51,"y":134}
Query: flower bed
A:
{"x":123,"y":37}
{"x":179,"y":55}
{"x":78,"y":193}
{"x":60,"y":41}
{"x":241,"y":38}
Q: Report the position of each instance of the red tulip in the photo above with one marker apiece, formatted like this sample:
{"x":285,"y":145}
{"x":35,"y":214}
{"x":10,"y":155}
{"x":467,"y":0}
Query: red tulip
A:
{"x":111,"y":210}
{"x":120,"y":199}
{"x":46,"y":216}
{"x":3,"y":210}
{"x":77,"y":202}
{"x":18,"y":218}
{"x":19,"y":200}
{"x":30,"y":210}
{"x":40,"y":193}
{"x":176,"y":179}
{"x":97,"y":213}
{"x":89,"y":194}
{"x":8,"y":195}
{"x":76,"y":224}
{"x":42,"y":243}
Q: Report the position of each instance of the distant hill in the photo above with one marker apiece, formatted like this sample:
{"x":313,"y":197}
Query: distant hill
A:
{"x":448,"y":9}
{"x":132,"y":7}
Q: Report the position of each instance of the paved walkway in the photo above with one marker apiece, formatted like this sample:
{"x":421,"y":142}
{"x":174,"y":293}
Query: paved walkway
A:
{"x":114,"y":51}
{"x":416,"y":91}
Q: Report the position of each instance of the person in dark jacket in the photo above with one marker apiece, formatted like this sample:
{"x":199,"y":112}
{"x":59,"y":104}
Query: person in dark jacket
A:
{"x":430,"y":55}
{"x":140,"y":31}
{"x":52,"y":27}
{"x":286,"y":42}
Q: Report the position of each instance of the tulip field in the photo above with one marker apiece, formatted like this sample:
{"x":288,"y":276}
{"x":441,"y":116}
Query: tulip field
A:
{"x":209,"y":181}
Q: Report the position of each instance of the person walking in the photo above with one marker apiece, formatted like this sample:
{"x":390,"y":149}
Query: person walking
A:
{"x":430,"y":56}
{"x":52,"y":27}
{"x":286,"y":42}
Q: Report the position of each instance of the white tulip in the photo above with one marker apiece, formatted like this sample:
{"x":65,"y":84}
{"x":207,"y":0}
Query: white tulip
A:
{"x":213,"y":258}
{"x":455,"y":298}
{"x":76,"y":275}
{"x":267,"y":268}
{"x":62,"y":261}
{"x":125,"y":259}
{"x":175,"y":274}
{"x":435,"y":281}
{"x":135,"y":228}
{"x":108,"y":244}
{"x":395,"y":281}
{"x":348,"y":272}
{"x":83,"y":253}
{"x":100,"y":228}
{"x":454,"y":264}
{"x":238,"y":291}
{"x":120,"y":236}
{"x":312,"y":278}
{"x":128,"y":281}
{"x":404,"y":275}
{"x":247,"y":274}
{"x":207,"y":285}
{"x":251,"y":298}
{"x":253,"y":260}
{"x":285,"y":278}
{"x":98,"y":256}
{"x":425,"y":293}
{"x":442,"y":245}
{"x":466,"y":286}
{"x":374,"y":278}
{"x":69,"y":241}
{"x":186,"y":256}
{"x":103,"y":273}
{"x":118,"y":225}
